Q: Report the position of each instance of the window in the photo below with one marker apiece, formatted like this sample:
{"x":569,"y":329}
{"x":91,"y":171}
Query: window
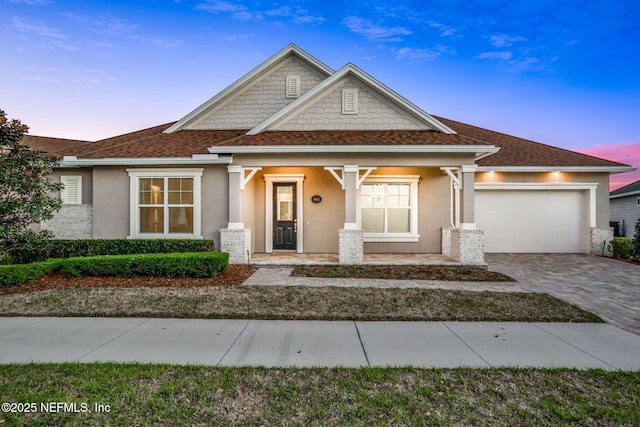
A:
{"x":71,"y":193}
{"x":165,"y":203}
{"x":349,"y":101}
{"x":293,"y":87}
{"x":389,"y":209}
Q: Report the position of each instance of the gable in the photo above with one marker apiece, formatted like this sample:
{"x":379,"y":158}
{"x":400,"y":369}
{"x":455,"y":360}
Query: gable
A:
{"x":335,"y":110}
{"x":350,"y":99}
{"x":259,"y":93}
{"x":260,"y":98}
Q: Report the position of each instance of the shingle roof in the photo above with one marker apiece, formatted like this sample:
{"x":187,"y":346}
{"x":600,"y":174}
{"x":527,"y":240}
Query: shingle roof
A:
{"x":516,"y":151}
{"x":58,"y":146}
{"x":350,"y":137}
{"x":634,"y":187}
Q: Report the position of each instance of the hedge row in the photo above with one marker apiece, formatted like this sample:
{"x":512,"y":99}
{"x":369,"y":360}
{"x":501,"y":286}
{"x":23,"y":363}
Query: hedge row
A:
{"x":193,"y":264}
{"x":45,"y":249}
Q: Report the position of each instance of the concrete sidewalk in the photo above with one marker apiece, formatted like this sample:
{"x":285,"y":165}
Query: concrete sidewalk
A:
{"x":317,"y":343}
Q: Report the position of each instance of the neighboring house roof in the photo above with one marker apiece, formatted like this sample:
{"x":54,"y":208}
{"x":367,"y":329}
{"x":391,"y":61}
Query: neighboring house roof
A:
{"x":60,"y":146}
{"x":627,"y":190}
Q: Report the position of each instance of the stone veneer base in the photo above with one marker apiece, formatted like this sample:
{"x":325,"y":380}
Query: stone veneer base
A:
{"x":237,"y":243}
{"x":600,"y":238}
{"x":464,"y":246}
{"x":350,"y":246}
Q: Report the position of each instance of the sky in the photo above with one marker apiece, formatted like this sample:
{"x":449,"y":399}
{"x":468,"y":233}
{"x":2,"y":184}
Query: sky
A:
{"x":565,"y":73}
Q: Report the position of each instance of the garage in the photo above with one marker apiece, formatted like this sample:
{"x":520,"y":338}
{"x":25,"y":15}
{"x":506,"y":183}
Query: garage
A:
{"x":533,"y":220}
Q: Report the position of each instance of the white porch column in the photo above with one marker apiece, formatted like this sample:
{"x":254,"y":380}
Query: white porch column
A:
{"x":464,"y":243}
{"x":351,"y":241}
{"x":236,"y":176}
{"x":468,"y":197}
{"x":235,"y":239}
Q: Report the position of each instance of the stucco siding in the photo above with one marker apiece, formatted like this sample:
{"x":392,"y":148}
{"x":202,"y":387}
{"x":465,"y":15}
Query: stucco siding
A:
{"x":111,"y":209}
{"x":325,"y":112}
{"x":261,"y":99}
{"x":626,"y":209}
{"x":87,"y":181}
{"x":602,"y":191}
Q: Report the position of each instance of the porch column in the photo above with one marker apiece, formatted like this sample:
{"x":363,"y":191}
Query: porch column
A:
{"x":235,"y":239}
{"x":351,"y":244}
{"x":468,"y":195}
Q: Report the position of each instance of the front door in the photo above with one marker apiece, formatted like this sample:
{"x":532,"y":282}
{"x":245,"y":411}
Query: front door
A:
{"x":285,"y":223}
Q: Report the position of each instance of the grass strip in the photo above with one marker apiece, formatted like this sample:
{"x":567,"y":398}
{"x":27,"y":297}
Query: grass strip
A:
{"x":404,"y":272}
{"x":169,"y":395}
{"x":295,"y":302}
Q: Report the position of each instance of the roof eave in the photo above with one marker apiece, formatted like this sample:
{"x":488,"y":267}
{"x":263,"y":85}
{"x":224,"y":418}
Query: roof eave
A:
{"x":478,"y":150}
{"x":600,"y":169}
{"x":196,"y":159}
{"x":627,"y":194}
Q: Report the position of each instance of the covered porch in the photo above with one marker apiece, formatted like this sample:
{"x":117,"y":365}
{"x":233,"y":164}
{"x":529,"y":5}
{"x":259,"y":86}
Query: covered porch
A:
{"x":317,"y":212}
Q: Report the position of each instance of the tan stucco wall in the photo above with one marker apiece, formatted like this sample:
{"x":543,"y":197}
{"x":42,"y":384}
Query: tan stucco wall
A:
{"x":602,"y":179}
{"x":111,"y":206}
{"x":321,"y":221}
{"x":111,"y":209}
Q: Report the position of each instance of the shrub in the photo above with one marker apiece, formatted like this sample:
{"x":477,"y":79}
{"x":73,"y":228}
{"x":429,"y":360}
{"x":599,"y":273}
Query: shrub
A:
{"x":42,"y":250}
{"x":13,"y":275}
{"x":636,"y":242}
{"x":621,"y":247}
{"x":192,"y":264}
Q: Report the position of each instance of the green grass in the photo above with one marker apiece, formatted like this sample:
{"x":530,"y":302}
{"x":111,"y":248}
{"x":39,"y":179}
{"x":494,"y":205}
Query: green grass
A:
{"x":165,"y":395}
{"x":404,"y":272}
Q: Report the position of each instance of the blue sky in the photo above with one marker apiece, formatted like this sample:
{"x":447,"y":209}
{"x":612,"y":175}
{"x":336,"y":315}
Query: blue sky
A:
{"x":566,"y":73}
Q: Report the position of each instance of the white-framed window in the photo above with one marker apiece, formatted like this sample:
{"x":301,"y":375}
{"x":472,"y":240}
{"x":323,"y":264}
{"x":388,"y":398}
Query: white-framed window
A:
{"x":71,"y":193}
{"x":389,"y":209}
{"x":292,"y":87}
{"x":350,"y":101}
{"x":165,"y":202}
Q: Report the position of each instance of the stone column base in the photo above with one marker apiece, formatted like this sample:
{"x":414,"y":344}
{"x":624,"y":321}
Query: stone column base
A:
{"x":446,"y":241}
{"x":237,"y":243}
{"x":466,"y":246}
{"x":600,"y":238}
{"x":351,"y":246}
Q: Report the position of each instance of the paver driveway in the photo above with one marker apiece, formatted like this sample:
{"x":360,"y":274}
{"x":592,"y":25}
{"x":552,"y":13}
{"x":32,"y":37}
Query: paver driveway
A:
{"x":604,"y":286}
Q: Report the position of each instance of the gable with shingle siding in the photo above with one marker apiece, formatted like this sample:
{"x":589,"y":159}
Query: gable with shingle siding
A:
{"x":374,"y":112}
{"x":260,"y":99}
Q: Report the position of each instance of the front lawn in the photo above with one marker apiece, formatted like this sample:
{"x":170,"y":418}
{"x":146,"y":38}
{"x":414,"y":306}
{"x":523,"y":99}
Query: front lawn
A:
{"x":165,"y":395}
{"x":404,"y":272}
{"x":75,"y":298}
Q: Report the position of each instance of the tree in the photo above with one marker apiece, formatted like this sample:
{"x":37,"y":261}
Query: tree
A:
{"x":26,"y":193}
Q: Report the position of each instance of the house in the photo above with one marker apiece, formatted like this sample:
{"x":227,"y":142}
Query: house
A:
{"x":296,"y":156}
{"x":625,"y":208}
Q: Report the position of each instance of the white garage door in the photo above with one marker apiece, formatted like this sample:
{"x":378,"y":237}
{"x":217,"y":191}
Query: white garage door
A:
{"x":534,"y":221}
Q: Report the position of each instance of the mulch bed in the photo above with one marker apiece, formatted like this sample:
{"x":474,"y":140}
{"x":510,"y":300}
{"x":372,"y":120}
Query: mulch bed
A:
{"x":234,"y":275}
{"x":404,"y":272}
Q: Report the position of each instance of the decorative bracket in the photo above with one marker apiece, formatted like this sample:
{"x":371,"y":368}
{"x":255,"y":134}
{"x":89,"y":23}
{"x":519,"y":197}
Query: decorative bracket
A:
{"x":246,"y":179}
{"x":349,"y":168}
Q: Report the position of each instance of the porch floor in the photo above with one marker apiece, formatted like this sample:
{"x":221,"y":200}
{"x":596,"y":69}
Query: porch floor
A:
{"x":290,"y":258}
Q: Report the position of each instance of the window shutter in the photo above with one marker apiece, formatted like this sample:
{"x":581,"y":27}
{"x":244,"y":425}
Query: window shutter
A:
{"x":349,"y":101}
{"x":293,"y":87}
{"x":71,"y":194}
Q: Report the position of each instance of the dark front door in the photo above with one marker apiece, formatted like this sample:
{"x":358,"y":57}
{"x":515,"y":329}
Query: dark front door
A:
{"x":285,"y":223}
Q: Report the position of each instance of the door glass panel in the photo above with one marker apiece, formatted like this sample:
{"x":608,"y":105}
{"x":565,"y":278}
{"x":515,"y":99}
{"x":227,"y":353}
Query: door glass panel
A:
{"x":284,"y":203}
